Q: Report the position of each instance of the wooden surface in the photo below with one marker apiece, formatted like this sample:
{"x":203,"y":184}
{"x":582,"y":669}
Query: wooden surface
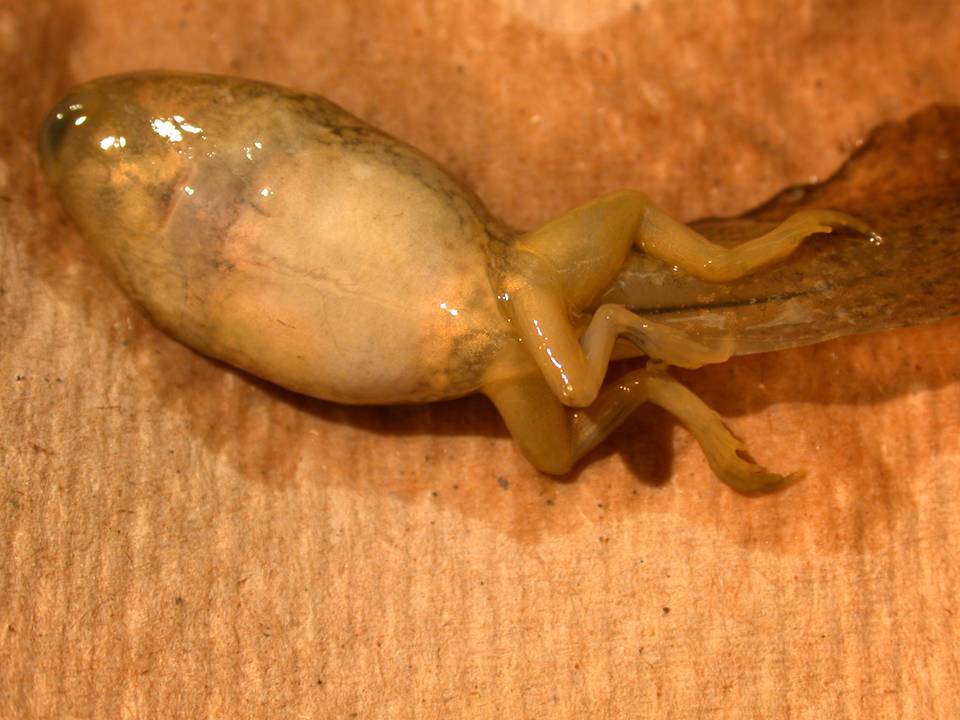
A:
{"x":178,"y":539}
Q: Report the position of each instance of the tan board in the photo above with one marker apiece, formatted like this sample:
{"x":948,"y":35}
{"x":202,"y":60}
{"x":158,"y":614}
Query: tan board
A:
{"x":180,"y":540}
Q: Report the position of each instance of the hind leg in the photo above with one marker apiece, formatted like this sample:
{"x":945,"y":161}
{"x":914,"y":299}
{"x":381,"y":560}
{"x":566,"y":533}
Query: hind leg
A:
{"x":663,"y":237}
{"x":574,"y":365}
{"x":553,"y":437}
{"x":554,"y":272}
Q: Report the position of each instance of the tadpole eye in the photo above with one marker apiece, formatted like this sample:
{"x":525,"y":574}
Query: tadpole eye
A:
{"x":58,"y":124}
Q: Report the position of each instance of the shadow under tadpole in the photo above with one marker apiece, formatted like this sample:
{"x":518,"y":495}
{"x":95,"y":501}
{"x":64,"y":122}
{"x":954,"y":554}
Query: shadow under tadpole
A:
{"x":468,"y":416}
{"x":644,"y":441}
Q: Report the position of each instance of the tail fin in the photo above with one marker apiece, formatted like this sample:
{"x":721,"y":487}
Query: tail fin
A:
{"x":905,"y":182}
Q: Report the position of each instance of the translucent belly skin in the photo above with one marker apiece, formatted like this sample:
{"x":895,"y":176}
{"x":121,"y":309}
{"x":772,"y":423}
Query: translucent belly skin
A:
{"x":280,"y":234}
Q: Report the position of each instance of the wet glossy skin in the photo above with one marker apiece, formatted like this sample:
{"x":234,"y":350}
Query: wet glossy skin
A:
{"x":241,"y":219}
{"x":273,"y":230}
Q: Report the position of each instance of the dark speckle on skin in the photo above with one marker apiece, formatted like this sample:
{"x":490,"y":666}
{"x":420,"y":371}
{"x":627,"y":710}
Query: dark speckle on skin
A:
{"x":220,"y":263}
{"x":471,"y":353}
{"x":503,"y":482}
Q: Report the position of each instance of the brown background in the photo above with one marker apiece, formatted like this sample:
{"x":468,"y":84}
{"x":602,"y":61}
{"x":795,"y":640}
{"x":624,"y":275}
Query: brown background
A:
{"x":179,"y":539}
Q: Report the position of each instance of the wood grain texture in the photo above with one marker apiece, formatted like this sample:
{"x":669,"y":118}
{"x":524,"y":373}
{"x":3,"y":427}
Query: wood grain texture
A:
{"x":179,"y":539}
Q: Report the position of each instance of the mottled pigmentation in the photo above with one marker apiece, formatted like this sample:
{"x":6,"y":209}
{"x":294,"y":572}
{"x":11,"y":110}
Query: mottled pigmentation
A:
{"x":239,"y":217}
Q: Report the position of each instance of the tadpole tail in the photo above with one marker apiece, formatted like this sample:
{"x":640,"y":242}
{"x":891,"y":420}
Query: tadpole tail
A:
{"x":904,"y":182}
